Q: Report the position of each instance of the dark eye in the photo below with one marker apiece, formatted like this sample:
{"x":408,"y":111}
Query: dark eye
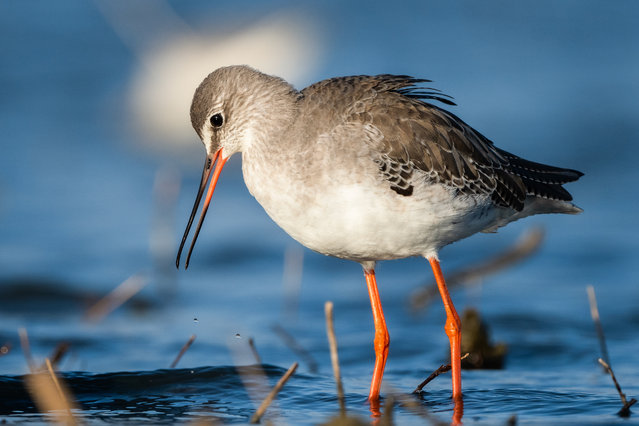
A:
{"x":217,"y":120}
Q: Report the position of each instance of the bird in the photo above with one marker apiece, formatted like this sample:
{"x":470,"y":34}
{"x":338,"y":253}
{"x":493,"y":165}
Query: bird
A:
{"x":367,"y":168}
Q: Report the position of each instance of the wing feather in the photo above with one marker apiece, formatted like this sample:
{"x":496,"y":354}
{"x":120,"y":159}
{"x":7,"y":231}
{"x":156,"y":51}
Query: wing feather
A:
{"x":416,"y":139}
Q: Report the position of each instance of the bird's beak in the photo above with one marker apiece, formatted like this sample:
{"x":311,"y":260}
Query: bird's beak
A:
{"x":218,"y":159}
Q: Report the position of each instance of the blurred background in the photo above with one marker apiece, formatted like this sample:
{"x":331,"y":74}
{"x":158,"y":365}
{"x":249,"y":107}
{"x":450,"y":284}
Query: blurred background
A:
{"x":99,"y":169}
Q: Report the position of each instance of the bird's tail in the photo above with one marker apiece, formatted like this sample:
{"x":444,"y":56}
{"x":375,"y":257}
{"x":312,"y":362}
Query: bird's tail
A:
{"x":544,"y":181}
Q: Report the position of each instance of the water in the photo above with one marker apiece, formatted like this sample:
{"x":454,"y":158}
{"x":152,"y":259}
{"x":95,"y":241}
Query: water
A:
{"x":553,"y":82}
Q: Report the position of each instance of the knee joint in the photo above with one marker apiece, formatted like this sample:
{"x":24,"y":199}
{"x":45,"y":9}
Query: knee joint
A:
{"x":452,"y":326}
{"x":382,"y":339}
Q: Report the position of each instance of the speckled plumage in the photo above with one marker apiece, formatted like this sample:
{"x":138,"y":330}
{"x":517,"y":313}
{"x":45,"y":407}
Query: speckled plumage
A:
{"x":365,"y":168}
{"x":418,"y":136}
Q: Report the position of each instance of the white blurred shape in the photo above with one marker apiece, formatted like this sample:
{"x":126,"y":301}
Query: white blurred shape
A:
{"x":162,"y":88}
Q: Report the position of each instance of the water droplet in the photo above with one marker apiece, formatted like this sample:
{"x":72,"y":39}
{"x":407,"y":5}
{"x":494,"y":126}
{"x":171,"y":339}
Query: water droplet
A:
{"x":237,"y":336}
{"x":195,"y":320}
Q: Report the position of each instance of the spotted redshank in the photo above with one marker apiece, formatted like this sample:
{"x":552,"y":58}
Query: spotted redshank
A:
{"x":367,"y":168}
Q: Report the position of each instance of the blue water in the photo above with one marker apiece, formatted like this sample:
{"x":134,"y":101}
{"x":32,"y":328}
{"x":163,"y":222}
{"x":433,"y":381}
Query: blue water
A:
{"x":555,"y":82}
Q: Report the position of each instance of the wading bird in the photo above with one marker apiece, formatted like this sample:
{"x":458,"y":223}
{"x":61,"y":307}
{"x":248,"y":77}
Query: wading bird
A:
{"x":366,"y":168}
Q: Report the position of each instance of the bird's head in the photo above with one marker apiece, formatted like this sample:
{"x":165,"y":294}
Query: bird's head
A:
{"x":233,"y":108}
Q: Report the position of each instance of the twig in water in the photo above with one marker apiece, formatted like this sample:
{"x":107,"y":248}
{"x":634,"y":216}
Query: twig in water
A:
{"x":186,"y":346}
{"x":298,"y":349}
{"x":253,"y":377}
{"x":116,"y":297}
{"x":442,"y":369}
{"x":51,"y":395}
{"x":59,"y":352}
{"x":26,"y":348}
{"x":332,"y":343}
{"x":594,"y":313}
{"x":58,"y":387}
{"x":256,"y":354}
{"x":605,"y":359}
{"x":269,"y":398}
{"x":526,"y":245}
{"x":625,"y":410}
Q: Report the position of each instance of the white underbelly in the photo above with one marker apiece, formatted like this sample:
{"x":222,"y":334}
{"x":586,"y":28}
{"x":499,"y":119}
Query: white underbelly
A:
{"x":361,"y":222}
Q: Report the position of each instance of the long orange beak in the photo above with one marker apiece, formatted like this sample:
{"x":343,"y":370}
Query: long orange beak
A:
{"x":219,"y":162}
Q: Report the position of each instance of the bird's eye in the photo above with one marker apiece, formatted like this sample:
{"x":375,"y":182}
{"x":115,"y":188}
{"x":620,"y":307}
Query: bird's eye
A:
{"x":217,"y":120}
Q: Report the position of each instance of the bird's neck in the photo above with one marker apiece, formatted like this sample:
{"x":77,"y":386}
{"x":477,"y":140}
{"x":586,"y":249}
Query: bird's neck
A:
{"x":269,"y":138}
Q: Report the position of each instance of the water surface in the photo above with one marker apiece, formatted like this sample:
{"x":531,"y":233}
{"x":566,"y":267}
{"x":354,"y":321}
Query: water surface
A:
{"x":553,"y":82}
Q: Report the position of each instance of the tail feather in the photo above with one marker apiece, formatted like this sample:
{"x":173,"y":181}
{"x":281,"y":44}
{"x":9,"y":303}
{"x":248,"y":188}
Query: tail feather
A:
{"x":544,"y":190}
{"x":540,"y":179}
{"x":535,"y":205}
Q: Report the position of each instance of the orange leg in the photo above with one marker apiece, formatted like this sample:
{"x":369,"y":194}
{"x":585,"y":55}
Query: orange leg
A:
{"x":382,"y":339}
{"x":452,"y":327}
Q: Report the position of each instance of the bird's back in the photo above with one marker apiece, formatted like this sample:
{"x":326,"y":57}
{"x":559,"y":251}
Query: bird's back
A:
{"x":374,"y":169}
{"x":413,"y":135}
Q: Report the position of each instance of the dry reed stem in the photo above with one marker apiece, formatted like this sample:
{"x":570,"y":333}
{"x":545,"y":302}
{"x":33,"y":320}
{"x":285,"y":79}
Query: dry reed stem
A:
{"x":62,"y":393}
{"x":118,"y":296}
{"x":269,"y":398}
{"x":60,"y":350}
{"x":253,"y":377}
{"x":256,"y":354}
{"x":525,"y":246}
{"x":625,"y":410}
{"x":26,"y":348}
{"x":332,"y":343}
{"x":186,"y":346}
{"x":51,"y":395}
{"x":605,"y":360}
{"x":442,"y":369}
{"x":298,"y":349}
{"x":594,"y":313}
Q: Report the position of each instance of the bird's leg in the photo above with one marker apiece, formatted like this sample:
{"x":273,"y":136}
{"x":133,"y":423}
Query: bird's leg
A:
{"x":382,"y":338}
{"x":452,"y":327}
